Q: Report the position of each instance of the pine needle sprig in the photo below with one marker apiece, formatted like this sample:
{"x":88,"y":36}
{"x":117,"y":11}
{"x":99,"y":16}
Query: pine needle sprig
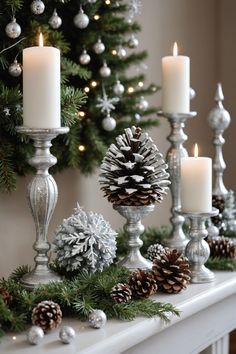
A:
{"x":221,"y":263}
{"x":19,"y":272}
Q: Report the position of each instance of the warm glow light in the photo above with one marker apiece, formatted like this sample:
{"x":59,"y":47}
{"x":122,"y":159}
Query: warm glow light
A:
{"x":81,"y":148}
{"x":108,"y":2}
{"x":81,"y":114}
{"x":130,"y":89}
{"x":93,"y":83}
{"x":96,"y":17}
{"x":140,"y":84}
{"x":86,"y":89}
{"x":195,"y":150}
{"x":14,"y":337}
{"x":114,"y":51}
{"x":40,"y":40}
{"x":175,"y":49}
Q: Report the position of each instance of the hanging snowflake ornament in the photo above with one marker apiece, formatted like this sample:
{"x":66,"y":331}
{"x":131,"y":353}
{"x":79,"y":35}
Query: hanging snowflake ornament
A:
{"x":134,"y":8}
{"x":85,"y":242}
{"x":133,"y":171}
{"x":105,"y":103}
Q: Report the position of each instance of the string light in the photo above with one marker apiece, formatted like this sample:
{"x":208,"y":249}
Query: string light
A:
{"x":114,"y":52}
{"x":81,"y":114}
{"x":14,"y":338}
{"x":86,"y":89}
{"x":93,"y":83}
{"x":96,"y":17}
{"x":81,"y":148}
{"x":107,"y":2}
{"x":130,"y":89}
{"x":140,"y":84}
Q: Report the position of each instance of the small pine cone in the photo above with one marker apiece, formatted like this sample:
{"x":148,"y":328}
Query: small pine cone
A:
{"x":218,"y":202}
{"x":47,"y":315}
{"x":171,"y":271}
{"x":5,"y":295}
{"x":142,"y":283}
{"x":222,"y":247}
{"x":121,"y":292}
{"x":154,"y":251}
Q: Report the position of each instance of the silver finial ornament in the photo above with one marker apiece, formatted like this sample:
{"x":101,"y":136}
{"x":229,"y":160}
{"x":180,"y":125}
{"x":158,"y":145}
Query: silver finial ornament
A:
{"x":219,"y":120}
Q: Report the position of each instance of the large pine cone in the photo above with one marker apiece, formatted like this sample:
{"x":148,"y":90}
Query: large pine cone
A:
{"x":171,"y":271}
{"x":47,"y":315}
{"x":222,"y":247}
{"x":121,"y":293}
{"x":4,"y":294}
{"x":133,"y":172}
{"x":142,"y":283}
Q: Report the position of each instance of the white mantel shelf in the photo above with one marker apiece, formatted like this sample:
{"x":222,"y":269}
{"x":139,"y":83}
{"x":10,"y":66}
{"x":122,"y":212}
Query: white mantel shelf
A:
{"x":207,"y":316}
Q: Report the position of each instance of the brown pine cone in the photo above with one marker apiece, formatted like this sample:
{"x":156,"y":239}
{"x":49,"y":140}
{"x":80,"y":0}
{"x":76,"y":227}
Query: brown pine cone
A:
{"x":171,"y":271}
{"x":155,"y":250}
{"x":121,"y":292}
{"x":5,"y":295}
{"x":222,"y":247}
{"x":47,"y":315}
{"x":142,"y":283}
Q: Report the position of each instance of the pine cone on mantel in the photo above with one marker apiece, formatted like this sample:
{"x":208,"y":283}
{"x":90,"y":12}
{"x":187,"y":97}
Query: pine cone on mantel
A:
{"x":133,"y":172}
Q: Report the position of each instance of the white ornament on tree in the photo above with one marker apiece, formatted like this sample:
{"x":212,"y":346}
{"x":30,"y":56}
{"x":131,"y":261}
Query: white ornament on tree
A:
{"x":15,"y":69}
{"x":121,"y":52}
{"x":37,"y":7}
{"x":133,"y":42}
{"x":105,"y":71}
{"x":81,"y":20}
{"x":84,"y":58}
{"x":99,"y":47}
{"x":108,"y":123}
{"x":55,"y":21}
{"x":13,"y":29}
{"x":118,"y":88}
{"x":143,"y":104}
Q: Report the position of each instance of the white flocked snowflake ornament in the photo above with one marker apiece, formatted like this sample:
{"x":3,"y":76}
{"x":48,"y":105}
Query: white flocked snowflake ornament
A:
{"x":85,"y":242}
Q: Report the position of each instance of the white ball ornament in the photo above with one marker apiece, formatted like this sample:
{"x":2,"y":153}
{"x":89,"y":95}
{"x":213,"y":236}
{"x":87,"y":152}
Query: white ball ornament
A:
{"x":109,"y":123}
{"x":192,"y":93}
{"x":81,"y":20}
{"x":15,"y":69}
{"x":55,"y":21}
{"x":143,"y":104}
{"x":99,"y":47}
{"x":67,"y":334}
{"x":121,"y":52}
{"x":118,"y":88}
{"x":133,"y":42}
{"x":105,"y":71}
{"x":97,"y":319}
{"x":84,"y":58}
{"x":35,"y":335}
{"x":13,"y":29}
{"x":37,"y":7}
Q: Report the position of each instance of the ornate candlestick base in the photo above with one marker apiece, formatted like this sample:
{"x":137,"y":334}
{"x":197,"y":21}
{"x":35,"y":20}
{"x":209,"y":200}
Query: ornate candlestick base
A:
{"x":42,"y":196}
{"x":134,"y":229}
{"x":177,"y":137}
{"x":197,"y":249}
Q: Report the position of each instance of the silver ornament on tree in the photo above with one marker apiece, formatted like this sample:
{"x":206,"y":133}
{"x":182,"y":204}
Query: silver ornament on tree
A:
{"x":121,"y":52}
{"x":13,"y":29}
{"x":84,"y":58}
{"x":133,"y":41}
{"x":105,"y":71}
{"x":97,"y":319}
{"x":143,"y":104}
{"x":67,"y":334}
{"x":37,"y":7}
{"x":81,"y":20}
{"x":55,"y":21}
{"x":118,"y":88}
{"x":106,"y":105}
{"x":108,"y":123}
{"x":99,"y":47}
{"x":35,"y":335}
{"x":15,"y":69}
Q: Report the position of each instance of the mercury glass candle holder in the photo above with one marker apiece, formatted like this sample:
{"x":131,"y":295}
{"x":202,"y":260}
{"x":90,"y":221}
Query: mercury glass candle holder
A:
{"x":42,"y":197}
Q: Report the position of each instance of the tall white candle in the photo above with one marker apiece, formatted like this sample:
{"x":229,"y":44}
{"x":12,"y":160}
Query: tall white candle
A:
{"x":196,"y":183}
{"x":175,"y":83}
{"x":41,"y":87}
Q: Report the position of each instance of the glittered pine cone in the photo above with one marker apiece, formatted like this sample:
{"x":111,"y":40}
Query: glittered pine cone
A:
{"x":218,"y":202}
{"x":171,"y":271}
{"x":142,"y":283}
{"x":5,"y":295}
{"x":222,"y":247}
{"x":133,"y":171}
{"x":154,"y":251}
{"x":47,"y":315}
{"x":121,"y":292}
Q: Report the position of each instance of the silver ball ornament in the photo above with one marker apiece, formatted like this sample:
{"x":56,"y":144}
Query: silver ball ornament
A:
{"x":192,"y":93}
{"x":84,"y":58}
{"x":121,"y":52}
{"x":55,"y":21}
{"x":97,"y":319}
{"x":133,"y":42}
{"x":13,"y":29}
{"x":35,"y":335}
{"x":143,"y":104}
{"x":105,"y":71}
{"x":109,"y":123}
{"x":118,"y":88}
{"x":137,"y":117}
{"x":37,"y":7}
{"x":81,"y":20}
{"x":91,"y":1}
{"x":99,"y":47}
{"x":15,"y":69}
{"x":66,"y":334}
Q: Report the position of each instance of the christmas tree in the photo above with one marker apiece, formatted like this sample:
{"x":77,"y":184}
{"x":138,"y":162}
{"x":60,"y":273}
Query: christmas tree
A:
{"x":98,"y":44}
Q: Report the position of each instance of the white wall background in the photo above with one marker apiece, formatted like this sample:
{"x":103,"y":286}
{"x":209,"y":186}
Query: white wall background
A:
{"x":205,"y":30}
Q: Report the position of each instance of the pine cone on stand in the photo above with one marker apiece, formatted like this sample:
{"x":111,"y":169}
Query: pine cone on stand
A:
{"x":142,"y":283}
{"x":121,"y":293}
{"x":222,"y":247}
{"x":47,"y":315}
{"x":171,"y":271}
{"x":133,"y":172}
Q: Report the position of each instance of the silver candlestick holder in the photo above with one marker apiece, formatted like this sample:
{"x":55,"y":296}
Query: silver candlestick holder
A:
{"x":219,"y":120}
{"x":177,"y":137}
{"x":133,"y":229}
{"x":197,"y":249}
{"x":42,"y":197}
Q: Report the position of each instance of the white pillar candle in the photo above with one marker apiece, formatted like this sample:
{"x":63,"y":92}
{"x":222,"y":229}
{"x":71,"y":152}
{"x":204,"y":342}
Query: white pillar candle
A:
{"x":175,"y":83}
{"x":41,"y":87}
{"x":196,"y":183}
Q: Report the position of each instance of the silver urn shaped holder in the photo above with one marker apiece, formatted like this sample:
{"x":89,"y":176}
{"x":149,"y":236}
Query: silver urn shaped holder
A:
{"x":197,"y":250}
{"x":42,"y":197}
{"x":133,"y":229}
